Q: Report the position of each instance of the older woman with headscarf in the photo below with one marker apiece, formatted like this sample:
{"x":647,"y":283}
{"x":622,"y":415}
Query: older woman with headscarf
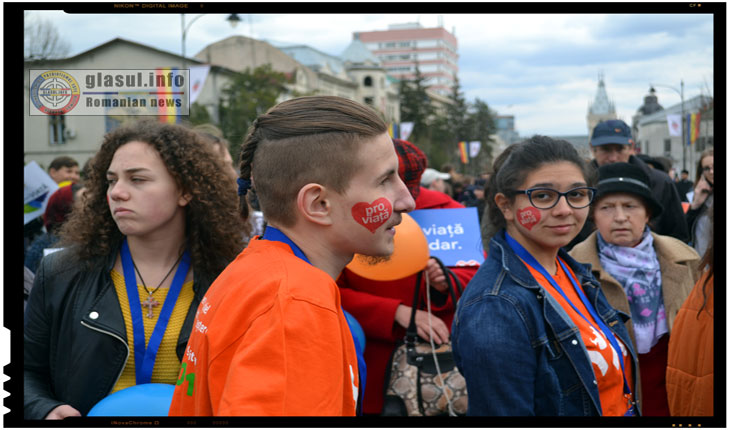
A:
{"x":643,"y":274}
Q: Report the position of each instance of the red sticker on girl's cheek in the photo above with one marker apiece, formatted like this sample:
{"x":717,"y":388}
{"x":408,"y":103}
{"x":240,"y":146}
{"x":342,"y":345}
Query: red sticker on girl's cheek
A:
{"x":528,"y":217}
{"x":372,"y":215}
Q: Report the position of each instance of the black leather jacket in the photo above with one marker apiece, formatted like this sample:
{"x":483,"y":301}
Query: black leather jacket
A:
{"x":75,"y":341}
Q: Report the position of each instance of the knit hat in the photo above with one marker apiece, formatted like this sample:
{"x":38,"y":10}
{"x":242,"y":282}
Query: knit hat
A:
{"x":411,"y":162}
{"x":59,"y":206}
{"x":626,"y":178}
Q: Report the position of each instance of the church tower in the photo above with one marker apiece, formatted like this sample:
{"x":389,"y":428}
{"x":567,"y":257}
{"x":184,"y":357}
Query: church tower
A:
{"x":374,"y":88}
{"x":602,"y":108}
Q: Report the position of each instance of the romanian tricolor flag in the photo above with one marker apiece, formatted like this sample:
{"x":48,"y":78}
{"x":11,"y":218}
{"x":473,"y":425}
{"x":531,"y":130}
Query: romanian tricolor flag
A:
{"x":167,"y":95}
{"x":393,"y":131}
{"x":463,"y":153}
{"x":695,"y":127}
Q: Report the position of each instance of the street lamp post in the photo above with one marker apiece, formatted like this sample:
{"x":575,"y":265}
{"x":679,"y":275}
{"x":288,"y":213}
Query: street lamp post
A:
{"x":185,"y":29}
{"x":681,"y":97}
{"x":233,"y":19}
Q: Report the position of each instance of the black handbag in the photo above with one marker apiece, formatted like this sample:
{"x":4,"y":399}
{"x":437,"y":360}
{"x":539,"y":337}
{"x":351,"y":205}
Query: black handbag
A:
{"x":422,"y":380}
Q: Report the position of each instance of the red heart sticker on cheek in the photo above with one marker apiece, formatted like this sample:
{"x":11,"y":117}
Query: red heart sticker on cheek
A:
{"x":528,"y":217}
{"x":372,"y":215}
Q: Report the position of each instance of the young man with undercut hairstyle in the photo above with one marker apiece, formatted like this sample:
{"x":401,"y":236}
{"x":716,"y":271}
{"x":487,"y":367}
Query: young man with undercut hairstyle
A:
{"x":270,"y":336}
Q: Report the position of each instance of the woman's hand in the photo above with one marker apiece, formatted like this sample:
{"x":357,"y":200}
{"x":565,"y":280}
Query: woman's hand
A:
{"x":63,"y":411}
{"x":436,"y":276}
{"x":440,"y":330}
{"x":701,"y":192}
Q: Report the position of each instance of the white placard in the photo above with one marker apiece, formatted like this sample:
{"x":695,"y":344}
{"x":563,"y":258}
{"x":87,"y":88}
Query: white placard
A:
{"x":37,"y":188}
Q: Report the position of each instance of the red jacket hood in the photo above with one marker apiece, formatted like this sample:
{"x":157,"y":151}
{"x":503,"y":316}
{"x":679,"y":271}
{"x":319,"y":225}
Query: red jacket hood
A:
{"x":432,"y":199}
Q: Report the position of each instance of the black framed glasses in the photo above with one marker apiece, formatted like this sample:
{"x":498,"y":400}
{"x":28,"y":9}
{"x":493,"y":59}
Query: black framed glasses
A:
{"x":546,"y":198}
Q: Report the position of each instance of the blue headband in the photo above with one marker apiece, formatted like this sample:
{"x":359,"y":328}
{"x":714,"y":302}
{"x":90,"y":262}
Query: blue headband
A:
{"x":243,"y":186}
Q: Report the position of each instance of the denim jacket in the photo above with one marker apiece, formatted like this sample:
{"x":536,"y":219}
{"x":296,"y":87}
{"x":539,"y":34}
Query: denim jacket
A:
{"x":517,"y":348}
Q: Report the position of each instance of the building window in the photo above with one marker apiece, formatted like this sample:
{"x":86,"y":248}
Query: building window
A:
{"x":667,"y":146}
{"x":399,"y":69}
{"x":369,"y":101}
{"x":57,"y":127}
{"x":368,"y":81}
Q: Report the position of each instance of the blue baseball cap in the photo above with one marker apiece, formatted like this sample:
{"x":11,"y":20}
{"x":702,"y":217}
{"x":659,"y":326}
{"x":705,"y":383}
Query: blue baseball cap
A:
{"x":613,"y":131}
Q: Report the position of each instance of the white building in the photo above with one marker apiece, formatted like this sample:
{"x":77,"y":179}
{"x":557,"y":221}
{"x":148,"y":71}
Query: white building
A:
{"x":652,"y":135}
{"x":313,"y":72}
{"x":46,"y":137}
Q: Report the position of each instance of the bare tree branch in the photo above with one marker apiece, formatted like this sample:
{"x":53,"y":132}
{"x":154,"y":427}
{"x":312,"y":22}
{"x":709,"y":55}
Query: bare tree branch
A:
{"x":41,"y":39}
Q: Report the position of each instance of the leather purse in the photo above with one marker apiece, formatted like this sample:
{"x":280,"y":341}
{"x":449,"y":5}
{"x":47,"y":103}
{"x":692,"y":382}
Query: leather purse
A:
{"x":422,"y":379}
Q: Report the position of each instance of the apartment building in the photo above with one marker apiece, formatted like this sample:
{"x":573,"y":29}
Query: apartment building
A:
{"x":403,"y":46}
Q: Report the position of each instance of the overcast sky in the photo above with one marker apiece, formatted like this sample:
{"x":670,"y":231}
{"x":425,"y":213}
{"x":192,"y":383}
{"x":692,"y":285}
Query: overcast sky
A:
{"x":541,"y":68}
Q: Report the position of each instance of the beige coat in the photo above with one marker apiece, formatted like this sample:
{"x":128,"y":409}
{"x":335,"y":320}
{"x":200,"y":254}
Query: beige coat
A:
{"x":678,"y":264}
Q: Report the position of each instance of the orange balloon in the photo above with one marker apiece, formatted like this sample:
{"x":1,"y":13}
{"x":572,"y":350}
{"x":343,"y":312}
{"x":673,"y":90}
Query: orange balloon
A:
{"x":410,"y":255}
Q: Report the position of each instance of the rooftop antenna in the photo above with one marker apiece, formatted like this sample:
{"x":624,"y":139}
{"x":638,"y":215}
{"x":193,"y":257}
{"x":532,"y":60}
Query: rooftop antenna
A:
{"x":441,"y":20}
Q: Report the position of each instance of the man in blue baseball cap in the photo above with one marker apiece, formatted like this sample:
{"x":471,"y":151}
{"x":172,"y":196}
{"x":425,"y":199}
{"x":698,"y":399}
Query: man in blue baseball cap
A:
{"x":612,"y":142}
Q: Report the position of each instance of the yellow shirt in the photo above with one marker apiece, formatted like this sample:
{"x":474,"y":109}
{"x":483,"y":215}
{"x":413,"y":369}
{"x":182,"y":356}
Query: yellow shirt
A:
{"x":167,"y":365}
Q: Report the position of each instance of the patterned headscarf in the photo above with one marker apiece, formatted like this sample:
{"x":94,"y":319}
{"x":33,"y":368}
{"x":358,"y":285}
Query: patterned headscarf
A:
{"x":638,"y":271}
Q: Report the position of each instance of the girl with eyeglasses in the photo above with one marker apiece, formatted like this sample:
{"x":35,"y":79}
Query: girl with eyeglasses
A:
{"x":701,"y":198}
{"x":533,"y":333}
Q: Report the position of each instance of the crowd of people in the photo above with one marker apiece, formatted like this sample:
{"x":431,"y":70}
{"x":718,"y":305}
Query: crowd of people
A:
{"x":163,"y":261}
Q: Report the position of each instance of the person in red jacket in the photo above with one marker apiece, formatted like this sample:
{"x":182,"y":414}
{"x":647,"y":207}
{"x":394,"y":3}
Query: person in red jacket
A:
{"x":270,"y":336}
{"x":432,"y":192}
{"x":383,"y":308}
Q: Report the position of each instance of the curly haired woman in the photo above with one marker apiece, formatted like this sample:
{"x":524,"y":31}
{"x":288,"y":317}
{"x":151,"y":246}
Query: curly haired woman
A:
{"x":116,"y":307}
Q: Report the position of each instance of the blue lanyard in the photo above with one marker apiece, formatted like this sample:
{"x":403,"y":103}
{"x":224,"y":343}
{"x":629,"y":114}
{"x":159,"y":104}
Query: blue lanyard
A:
{"x":144,"y":357}
{"x":529,"y":259}
{"x":275,"y":235}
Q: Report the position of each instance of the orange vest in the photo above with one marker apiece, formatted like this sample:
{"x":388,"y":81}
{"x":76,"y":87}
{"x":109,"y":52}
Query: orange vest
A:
{"x":690,"y":364}
{"x":606,"y":367}
{"x":270,"y":338}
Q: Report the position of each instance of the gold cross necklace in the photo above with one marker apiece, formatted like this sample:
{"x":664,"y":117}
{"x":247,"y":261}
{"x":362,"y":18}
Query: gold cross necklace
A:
{"x":150,"y":302}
